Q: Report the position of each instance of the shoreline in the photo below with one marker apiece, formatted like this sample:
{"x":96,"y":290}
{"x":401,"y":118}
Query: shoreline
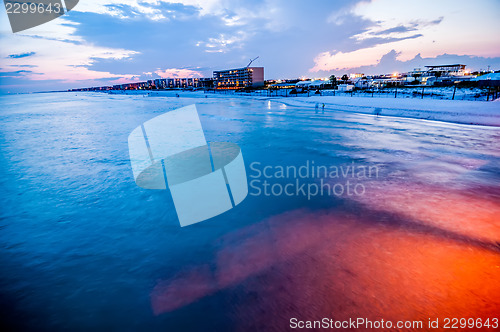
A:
{"x":464,"y":112}
{"x":450,"y":111}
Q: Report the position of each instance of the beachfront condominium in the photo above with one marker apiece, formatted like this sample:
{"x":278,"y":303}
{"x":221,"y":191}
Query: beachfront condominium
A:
{"x":182,"y":83}
{"x":239,"y":78}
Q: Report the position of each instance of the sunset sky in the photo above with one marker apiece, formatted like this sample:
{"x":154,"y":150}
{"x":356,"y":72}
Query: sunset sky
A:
{"x":103,"y":42}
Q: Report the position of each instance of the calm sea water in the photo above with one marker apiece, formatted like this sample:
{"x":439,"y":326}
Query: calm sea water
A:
{"x":83,"y":248}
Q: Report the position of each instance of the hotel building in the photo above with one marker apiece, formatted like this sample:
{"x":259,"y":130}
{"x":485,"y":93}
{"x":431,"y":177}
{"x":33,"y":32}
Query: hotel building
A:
{"x":183,"y":83}
{"x":239,"y":78}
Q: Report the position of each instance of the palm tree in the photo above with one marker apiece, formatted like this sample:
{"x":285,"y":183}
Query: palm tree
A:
{"x":333,"y":80}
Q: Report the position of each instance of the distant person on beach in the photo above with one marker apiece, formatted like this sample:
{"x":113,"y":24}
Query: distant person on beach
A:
{"x":323,"y":108}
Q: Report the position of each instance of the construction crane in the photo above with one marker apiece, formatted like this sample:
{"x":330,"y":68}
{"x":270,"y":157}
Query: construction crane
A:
{"x":251,"y":62}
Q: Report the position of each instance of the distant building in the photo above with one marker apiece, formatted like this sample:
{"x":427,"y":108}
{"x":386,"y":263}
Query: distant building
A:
{"x":381,"y":81}
{"x":416,"y":76}
{"x":282,"y":85}
{"x":446,"y":74}
{"x":316,"y":84}
{"x":239,"y":78}
{"x":363,"y":82}
{"x":183,"y":83}
{"x":446,"y":70}
{"x":356,"y":75}
{"x":345,"y":87}
{"x":488,"y":80}
{"x":283,"y":82}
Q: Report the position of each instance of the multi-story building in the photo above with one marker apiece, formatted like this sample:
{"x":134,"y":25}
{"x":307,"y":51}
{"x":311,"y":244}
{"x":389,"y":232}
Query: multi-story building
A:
{"x":446,"y":74}
{"x":239,"y":78}
{"x":446,"y":70}
{"x":183,"y":83}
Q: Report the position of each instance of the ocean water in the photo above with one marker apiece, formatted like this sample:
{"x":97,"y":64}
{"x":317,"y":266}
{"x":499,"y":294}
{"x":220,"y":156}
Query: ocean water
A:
{"x":83,"y":248}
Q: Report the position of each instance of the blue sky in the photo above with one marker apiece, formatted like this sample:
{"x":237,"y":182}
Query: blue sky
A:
{"x":110,"y":41}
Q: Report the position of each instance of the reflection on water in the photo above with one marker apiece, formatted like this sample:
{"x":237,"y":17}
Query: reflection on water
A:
{"x":83,"y":247}
{"x":305,"y":264}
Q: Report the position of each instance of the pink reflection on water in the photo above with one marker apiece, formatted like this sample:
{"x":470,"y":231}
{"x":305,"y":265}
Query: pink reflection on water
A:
{"x":182,"y":289}
{"x":474,"y":212}
{"x":313,"y":264}
{"x":243,"y":253}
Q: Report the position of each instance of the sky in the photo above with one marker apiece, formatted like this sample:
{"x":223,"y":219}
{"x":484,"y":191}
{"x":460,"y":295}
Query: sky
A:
{"x":104,"y":42}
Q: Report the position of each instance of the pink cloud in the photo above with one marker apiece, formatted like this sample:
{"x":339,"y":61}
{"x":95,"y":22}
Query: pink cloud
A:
{"x":178,"y":73}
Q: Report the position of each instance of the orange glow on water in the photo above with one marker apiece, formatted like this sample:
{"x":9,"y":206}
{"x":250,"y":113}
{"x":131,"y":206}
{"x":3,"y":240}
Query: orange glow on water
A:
{"x":462,"y":212}
{"x":424,"y":253}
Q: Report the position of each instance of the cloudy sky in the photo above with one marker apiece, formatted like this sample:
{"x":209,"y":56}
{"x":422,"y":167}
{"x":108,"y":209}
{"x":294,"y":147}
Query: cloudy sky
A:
{"x":103,"y":42}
